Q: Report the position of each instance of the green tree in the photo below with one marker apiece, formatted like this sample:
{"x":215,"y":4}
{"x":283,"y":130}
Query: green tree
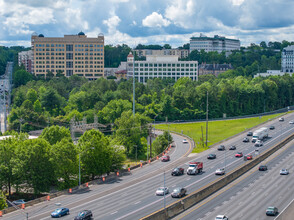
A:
{"x":32,"y":95}
{"x":55,"y":134}
{"x":3,"y":203}
{"x":21,"y":77}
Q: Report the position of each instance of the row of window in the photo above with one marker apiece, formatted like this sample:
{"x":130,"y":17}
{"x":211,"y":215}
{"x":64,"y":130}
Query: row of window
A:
{"x":89,"y":49}
{"x":144,"y":80}
{"x":62,"y":45}
{"x":52,"y":70}
{"x":76,"y":62}
{"x":164,"y":69}
{"x":76,"y":54}
{"x":76,"y":58}
{"x":164,"y":64}
{"x":160,"y":74}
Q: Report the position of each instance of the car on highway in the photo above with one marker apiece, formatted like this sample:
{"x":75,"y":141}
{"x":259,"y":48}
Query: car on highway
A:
{"x":161,"y":191}
{"x":250,"y":133}
{"x":239,"y":154}
{"x":262,"y":168}
{"x":220,"y":171}
{"x":221,"y":147}
{"x":249,"y":157}
{"x":281,"y":119}
{"x":211,"y":156}
{"x":165,"y":158}
{"x":291,"y":122}
{"x":245,"y":139}
{"x":233,"y":147}
{"x":19,"y":202}
{"x":284,"y":172}
{"x":179,"y":192}
{"x":83,"y":215}
{"x":221,"y":217}
{"x":57,"y":213}
{"x":271,"y":211}
{"x":271,"y":127}
{"x":177,"y":171}
{"x":185,"y":141}
{"x":258,"y":143}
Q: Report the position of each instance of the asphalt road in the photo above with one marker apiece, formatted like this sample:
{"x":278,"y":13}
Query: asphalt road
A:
{"x":133,"y":197}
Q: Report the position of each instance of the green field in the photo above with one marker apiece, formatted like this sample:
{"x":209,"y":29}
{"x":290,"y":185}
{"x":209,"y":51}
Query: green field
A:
{"x":217,"y":130}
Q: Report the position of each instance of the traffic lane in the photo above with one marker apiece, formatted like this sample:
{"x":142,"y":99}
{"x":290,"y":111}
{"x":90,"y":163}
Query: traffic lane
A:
{"x":248,"y":195}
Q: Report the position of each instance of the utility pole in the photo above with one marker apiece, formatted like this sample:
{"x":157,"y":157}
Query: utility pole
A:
{"x":134,"y":82}
{"x":206,"y":117}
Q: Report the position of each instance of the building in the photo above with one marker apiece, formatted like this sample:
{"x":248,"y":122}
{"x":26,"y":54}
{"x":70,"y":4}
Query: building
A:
{"x":271,"y":73}
{"x":181,"y":53}
{"x":161,"y":67}
{"x":287,"y":62}
{"x":25,"y":58}
{"x":68,"y":55}
{"x":216,"y":43}
{"x":214,"y":69}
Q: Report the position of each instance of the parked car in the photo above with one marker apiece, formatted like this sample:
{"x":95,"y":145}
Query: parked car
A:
{"x":239,"y":154}
{"x":220,"y":171}
{"x":284,"y":172}
{"x":271,"y":211}
{"x":165,"y":158}
{"x":262,"y":168}
{"x":272,"y":127}
{"x":258,"y":143}
{"x":221,"y":217}
{"x":281,"y":119}
{"x":250,"y":133}
{"x":211,"y":156}
{"x":177,"y":171}
{"x":57,"y":213}
{"x":161,"y":191}
{"x":249,"y":157}
{"x":185,"y":141}
{"x":233,"y":147}
{"x":291,"y":122}
{"x":85,"y":214}
{"x":245,"y":139}
{"x":221,"y":147}
{"x":19,"y":202}
{"x":178,"y":192}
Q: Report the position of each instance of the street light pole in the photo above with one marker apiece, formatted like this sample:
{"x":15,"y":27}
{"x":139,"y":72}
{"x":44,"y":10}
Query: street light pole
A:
{"x":136,"y":153}
{"x":164,"y":189}
{"x":79,"y":169}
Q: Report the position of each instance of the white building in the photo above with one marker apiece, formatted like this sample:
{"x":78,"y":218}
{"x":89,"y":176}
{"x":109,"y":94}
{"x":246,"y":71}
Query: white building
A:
{"x":287,"y":62}
{"x":216,"y":43}
{"x":161,"y":67}
{"x":181,"y":53}
{"x":25,"y":58}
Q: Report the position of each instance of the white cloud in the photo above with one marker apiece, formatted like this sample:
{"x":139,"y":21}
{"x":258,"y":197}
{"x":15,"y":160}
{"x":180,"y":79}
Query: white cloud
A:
{"x":112,"y":23}
{"x":73,"y":19}
{"x":155,"y":20}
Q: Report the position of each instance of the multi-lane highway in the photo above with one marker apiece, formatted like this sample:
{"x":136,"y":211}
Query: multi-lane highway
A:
{"x":133,"y":196}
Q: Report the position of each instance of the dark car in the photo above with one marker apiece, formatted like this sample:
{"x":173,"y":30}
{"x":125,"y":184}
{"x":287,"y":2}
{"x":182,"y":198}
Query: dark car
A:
{"x":165,"y":158}
{"x":221,"y":147}
{"x":262,"y":168}
{"x":177,"y":171}
{"x":211,"y":156}
{"x":250,"y":133}
{"x":179,"y":192}
{"x":271,"y":211}
{"x":85,"y":214}
{"x":272,"y":127}
{"x":233,"y":147}
{"x":60,"y":212}
{"x":245,"y":139}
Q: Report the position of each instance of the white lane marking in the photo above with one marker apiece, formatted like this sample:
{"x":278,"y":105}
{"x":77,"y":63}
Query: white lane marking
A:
{"x":284,"y":209}
{"x":113,"y":213}
{"x":137,"y":203}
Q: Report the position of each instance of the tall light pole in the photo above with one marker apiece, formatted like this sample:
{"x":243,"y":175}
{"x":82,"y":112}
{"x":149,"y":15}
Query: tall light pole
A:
{"x":206,"y":117}
{"x":134,"y":82}
{"x":136,"y":152}
{"x":164,"y":189}
{"x":80,"y":163}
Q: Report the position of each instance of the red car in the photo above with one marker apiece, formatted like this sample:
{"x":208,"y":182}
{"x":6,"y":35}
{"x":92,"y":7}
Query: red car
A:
{"x":165,"y":158}
{"x":239,"y":154}
{"x":249,"y":157}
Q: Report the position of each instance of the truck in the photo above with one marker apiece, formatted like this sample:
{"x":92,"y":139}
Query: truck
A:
{"x":194,"y":168}
{"x":260,"y":134}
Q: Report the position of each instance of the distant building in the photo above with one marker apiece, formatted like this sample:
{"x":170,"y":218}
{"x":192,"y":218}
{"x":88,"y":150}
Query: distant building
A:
{"x":216,"y":43}
{"x":272,"y":73}
{"x":161,"y":67}
{"x":287,"y":62}
{"x":68,"y":55}
{"x":181,"y":53}
{"x":25,"y":58}
{"x":214,"y":69}
{"x":113,"y":71}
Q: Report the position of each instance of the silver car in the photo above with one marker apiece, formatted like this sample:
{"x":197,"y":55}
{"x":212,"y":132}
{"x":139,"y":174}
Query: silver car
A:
{"x":161,"y":191}
{"x":284,"y":172}
{"x":220,"y":171}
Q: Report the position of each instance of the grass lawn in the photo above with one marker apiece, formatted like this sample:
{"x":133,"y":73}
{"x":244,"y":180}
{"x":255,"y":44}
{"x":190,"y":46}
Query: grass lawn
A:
{"x":217,"y":130}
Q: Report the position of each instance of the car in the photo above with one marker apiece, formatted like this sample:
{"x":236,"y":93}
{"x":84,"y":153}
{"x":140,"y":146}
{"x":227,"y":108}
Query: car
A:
{"x":239,"y":154}
{"x":211,"y":156}
{"x":272,"y":127}
{"x":281,"y":119}
{"x":185,"y":141}
{"x":162,"y":191}
{"x":233,"y":147}
{"x":258,"y":143}
{"x":284,"y":172}
{"x":57,"y":213}
{"x":177,"y":171}
{"x":221,"y":217}
{"x":249,"y":157}
{"x":220,"y":171}
{"x":221,"y":147}
{"x":245,"y":139}
{"x":250,"y":133}
{"x":165,"y":158}
{"x":85,"y":214}
{"x":262,"y":168}
{"x":291,"y":122}
{"x":179,"y":192}
{"x":19,"y":202}
{"x":271,"y":211}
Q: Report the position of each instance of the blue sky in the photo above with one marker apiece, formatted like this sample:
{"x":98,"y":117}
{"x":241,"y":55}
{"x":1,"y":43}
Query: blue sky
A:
{"x":147,"y":21}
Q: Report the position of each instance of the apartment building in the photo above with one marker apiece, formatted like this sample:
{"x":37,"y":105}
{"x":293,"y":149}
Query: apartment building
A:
{"x":68,"y":55}
{"x":214,"y":69}
{"x":181,"y":53}
{"x":216,"y":43}
{"x":161,"y":67}
{"x":25,"y":58}
{"x":287,"y":62}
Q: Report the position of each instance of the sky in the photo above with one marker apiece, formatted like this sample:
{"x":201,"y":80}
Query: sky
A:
{"x":135,"y":22}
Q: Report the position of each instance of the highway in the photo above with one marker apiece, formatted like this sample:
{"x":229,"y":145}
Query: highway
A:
{"x":133,"y":196}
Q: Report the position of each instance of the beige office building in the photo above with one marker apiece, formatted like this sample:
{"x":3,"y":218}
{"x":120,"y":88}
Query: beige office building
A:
{"x":69,"y":55}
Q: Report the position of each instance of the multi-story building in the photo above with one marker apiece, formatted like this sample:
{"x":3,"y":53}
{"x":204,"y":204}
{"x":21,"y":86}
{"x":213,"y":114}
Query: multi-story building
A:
{"x":216,"y":43}
{"x":287,"y":62}
{"x":25,"y":58}
{"x":161,"y":67}
{"x":68,"y":55}
{"x":181,"y":53}
{"x":214,"y":69}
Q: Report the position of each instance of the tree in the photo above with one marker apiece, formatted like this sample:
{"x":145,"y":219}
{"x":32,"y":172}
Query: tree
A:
{"x":32,"y":95}
{"x":55,"y":134}
{"x":3,"y":203}
{"x":167,"y":46}
{"x":21,"y":77}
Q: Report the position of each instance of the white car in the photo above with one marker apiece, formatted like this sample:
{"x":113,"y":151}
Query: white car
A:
{"x":221,"y":217}
{"x":258,"y":143}
{"x":281,"y":119}
{"x":185,"y":141}
{"x":161,"y":191}
{"x":284,"y":172}
{"x":220,"y":171}
{"x":291,"y":122}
